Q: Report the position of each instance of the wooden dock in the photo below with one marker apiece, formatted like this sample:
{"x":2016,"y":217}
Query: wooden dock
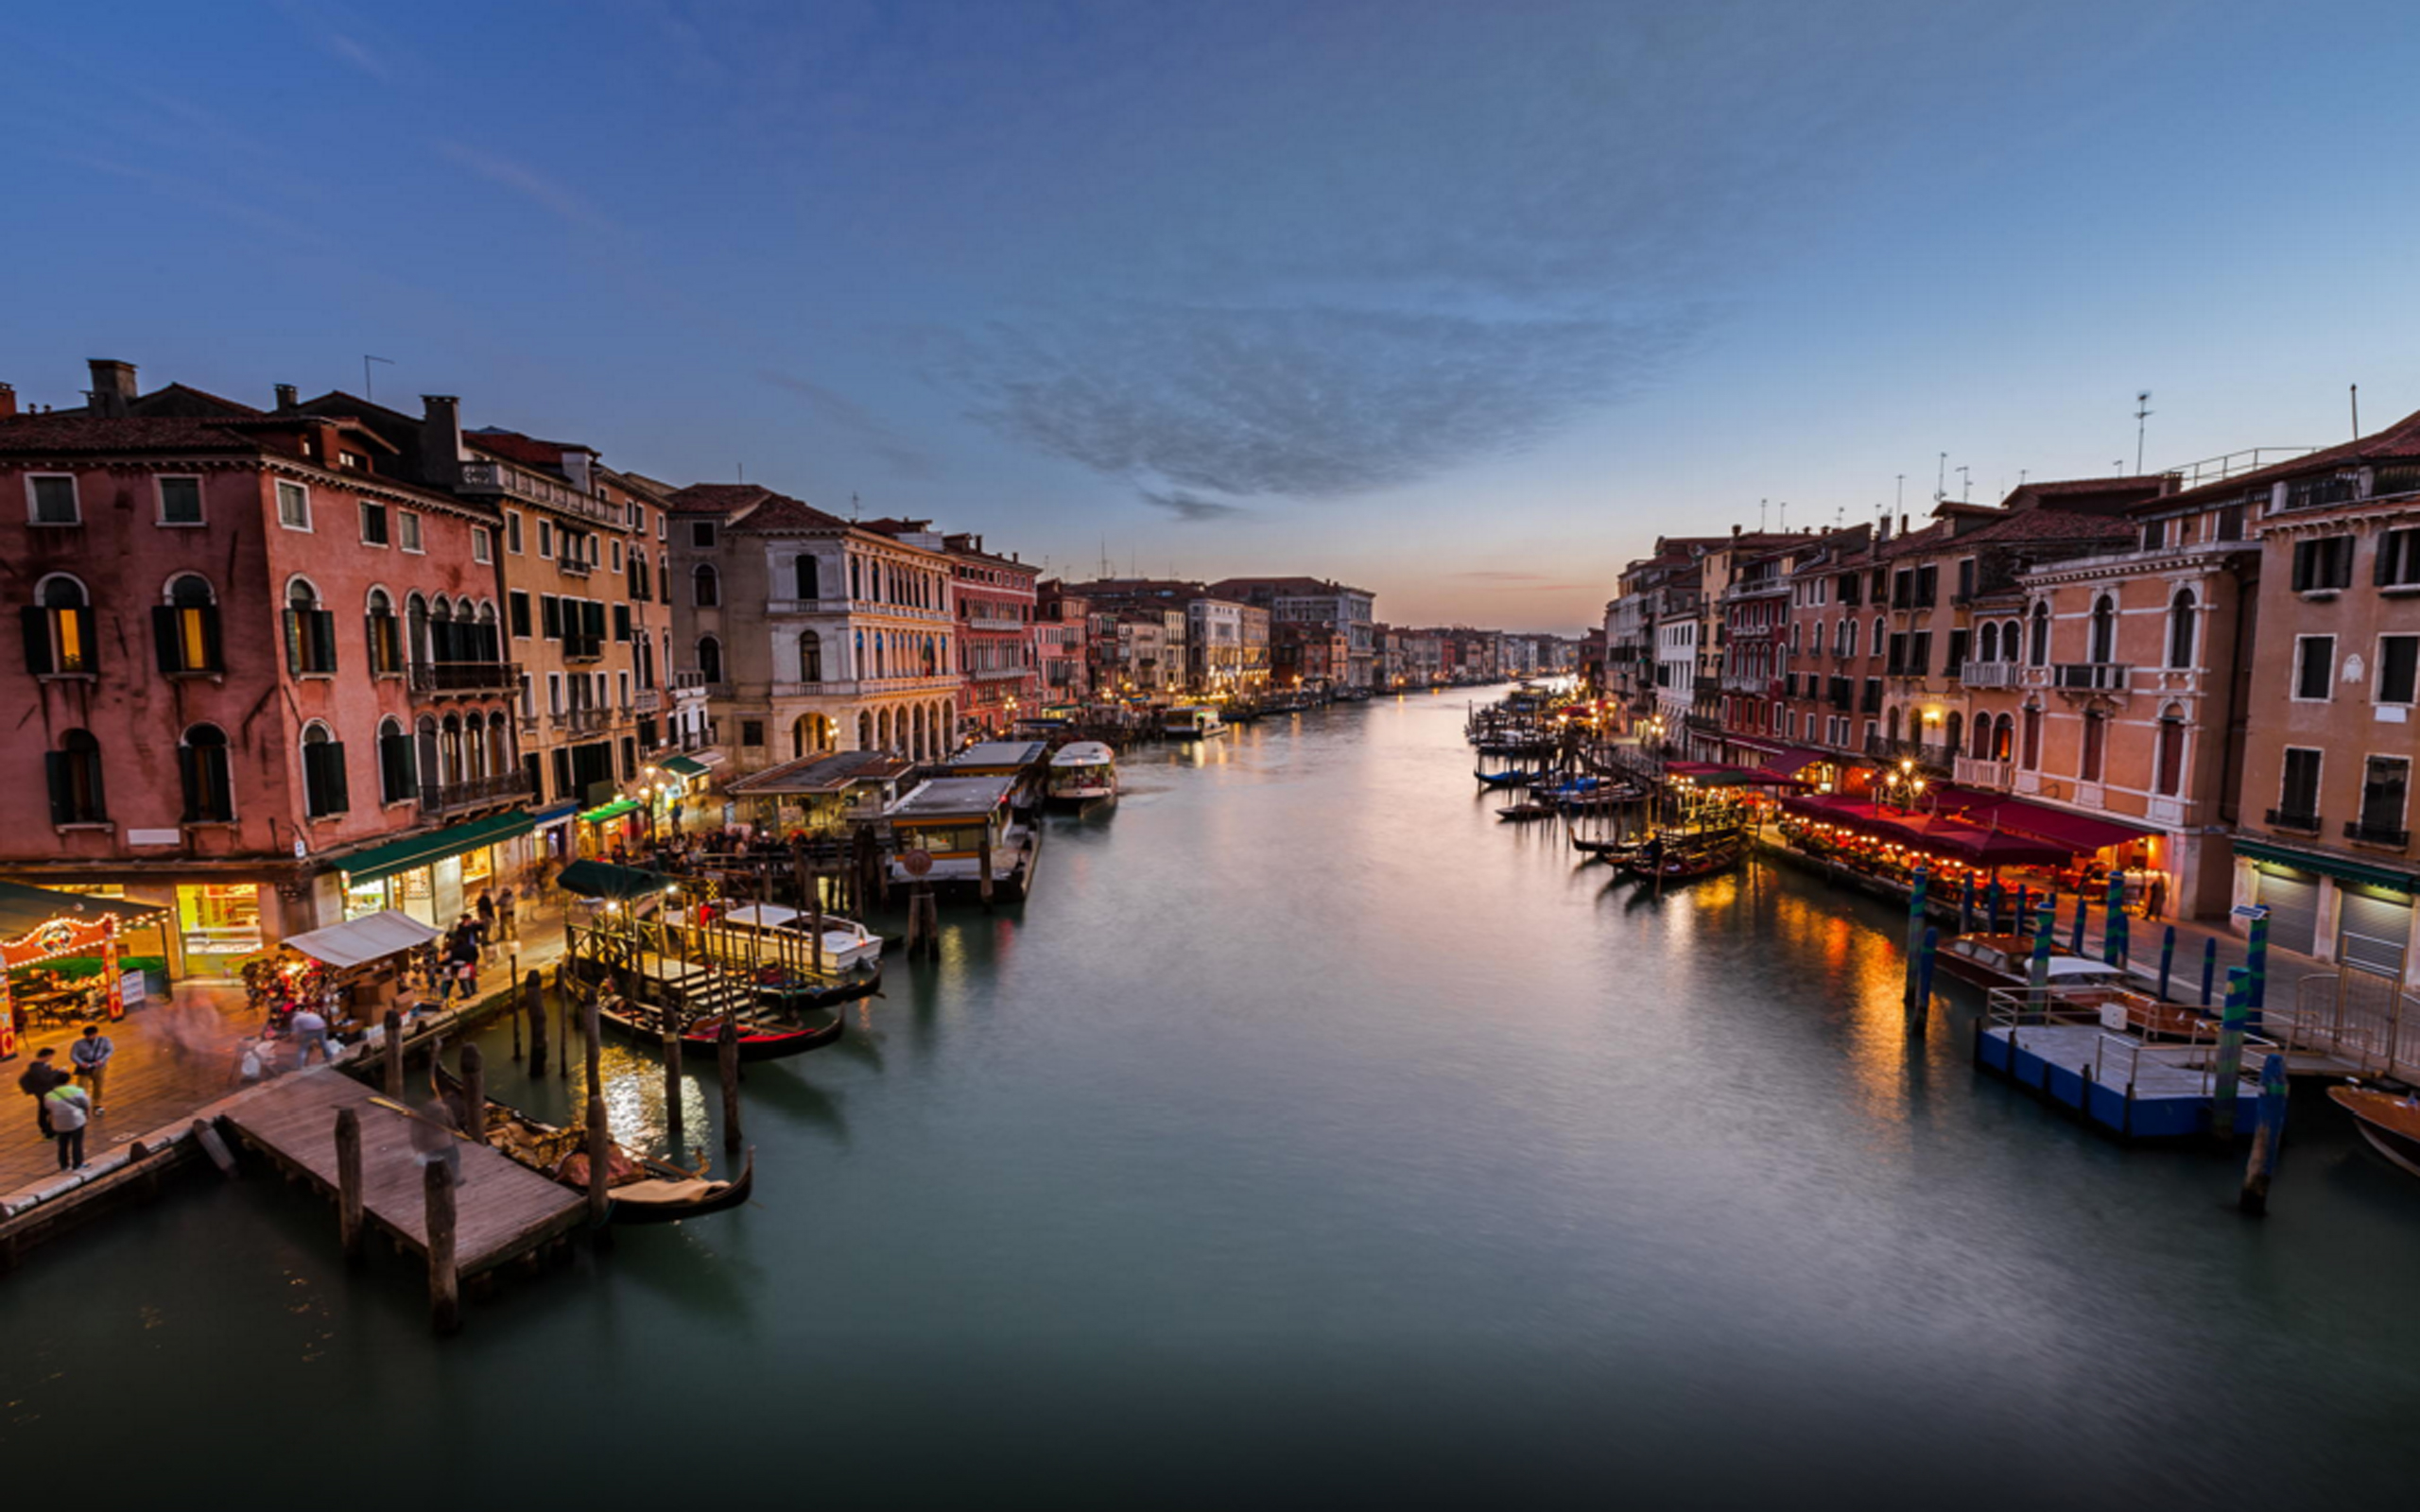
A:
{"x":503,"y":1209}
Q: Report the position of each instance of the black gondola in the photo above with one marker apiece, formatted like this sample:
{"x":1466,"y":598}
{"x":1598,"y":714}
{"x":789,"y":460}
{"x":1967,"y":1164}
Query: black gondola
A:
{"x":761,"y":1038}
{"x":643,"y":1189}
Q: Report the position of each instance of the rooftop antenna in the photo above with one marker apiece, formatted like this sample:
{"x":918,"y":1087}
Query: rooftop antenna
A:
{"x":2121,"y":466}
{"x":853,"y":508}
{"x":1899,"y":497}
{"x":366,"y":360}
{"x":2142,"y":413}
{"x":2020,"y":477}
{"x":1760,"y":516}
{"x":2357,"y":411}
{"x":1785,"y":517}
{"x":1966,"y":485}
{"x":1941,"y":482}
{"x":743,"y":470}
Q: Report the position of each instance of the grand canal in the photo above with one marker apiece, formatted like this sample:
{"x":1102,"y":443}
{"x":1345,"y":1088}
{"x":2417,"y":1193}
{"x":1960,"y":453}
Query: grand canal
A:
{"x":1310,"y":1136}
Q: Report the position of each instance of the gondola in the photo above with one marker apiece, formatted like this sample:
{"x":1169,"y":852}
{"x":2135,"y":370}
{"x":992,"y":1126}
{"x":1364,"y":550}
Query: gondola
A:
{"x":792,"y":991}
{"x":761,"y":1038}
{"x":1509,"y":777}
{"x":1524,"y":812}
{"x":2391,"y":1124}
{"x":1682,"y":862}
{"x":644,"y":1189}
{"x":1616,"y":852}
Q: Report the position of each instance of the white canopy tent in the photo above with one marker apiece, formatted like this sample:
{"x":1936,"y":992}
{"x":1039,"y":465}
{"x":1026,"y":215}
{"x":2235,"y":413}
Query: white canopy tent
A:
{"x":362,"y":939}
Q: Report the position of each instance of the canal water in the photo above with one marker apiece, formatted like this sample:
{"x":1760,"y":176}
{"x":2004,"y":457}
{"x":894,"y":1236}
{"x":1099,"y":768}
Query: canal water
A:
{"x":1309,"y":1136}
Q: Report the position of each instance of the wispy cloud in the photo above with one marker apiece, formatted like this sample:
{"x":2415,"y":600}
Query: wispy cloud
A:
{"x":1191,"y":508}
{"x":829,"y":404}
{"x":555,"y":198}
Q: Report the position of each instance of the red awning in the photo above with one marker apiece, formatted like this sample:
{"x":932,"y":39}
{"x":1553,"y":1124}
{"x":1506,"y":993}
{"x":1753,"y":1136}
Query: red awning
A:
{"x":1762,"y":747}
{"x":1789,"y":762}
{"x":2077,"y":832}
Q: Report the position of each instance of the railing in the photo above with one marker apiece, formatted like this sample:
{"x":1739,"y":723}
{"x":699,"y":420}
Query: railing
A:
{"x":2290,"y":820}
{"x":2357,"y":1016}
{"x":2090,"y":676}
{"x":854,"y":687}
{"x":464,"y":677}
{"x":2120,"y":1060}
{"x":2219,"y":469}
{"x":582,"y":649}
{"x":499,"y":477}
{"x":1975,"y":771}
{"x":2376,"y":834}
{"x":1987,"y":674}
{"x":447,"y":797}
{"x":1882,"y":748}
{"x":584,"y":721}
{"x":793,"y":606}
{"x":687,"y":679}
{"x":573,"y":566}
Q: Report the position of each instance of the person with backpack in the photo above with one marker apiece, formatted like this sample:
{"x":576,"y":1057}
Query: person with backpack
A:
{"x":36,"y":1083}
{"x":70,"y":1110}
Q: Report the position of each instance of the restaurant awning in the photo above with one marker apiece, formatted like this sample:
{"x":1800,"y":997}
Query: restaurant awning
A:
{"x":21,"y":907}
{"x":366,"y":938}
{"x":602,"y":879}
{"x":683,"y":766}
{"x":609,"y":811}
{"x":1794,"y":760}
{"x":413,"y":850}
{"x":2344,"y":868}
{"x":2077,"y":832}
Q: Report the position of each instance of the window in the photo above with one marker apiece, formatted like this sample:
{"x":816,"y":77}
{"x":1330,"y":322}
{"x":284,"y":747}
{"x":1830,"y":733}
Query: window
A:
{"x":179,"y":501}
{"x":2103,"y":647}
{"x":513,"y":531}
{"x":2398,"y":668}
{"x":411,"y":524}
{"x":2038,"y":649}
{"x":293,"y":506}
{"x":1988,"y":642}
{"x":2323,"y":564}
{"x":550,"y":617}
{"x":373,"y":523}
{"x":2181,"y":615}
{"x":324,"y":785}
{"x":705,"y":585}
{"x":547,"y":539}
{"x":710,"y":659}
{"x":621,"y":622}
{"x":51,"y":501}
{"x":751,"y":732}
{"x":702,"y":537}
{"x":2155,"y":534}
{"x":1920,"y":654}
{"x":2171,"y":764}
{"x":2298,"y":791}
{"x":482,"y":548}
{"x":75,"y":773}
{"x":2230,"y":526}
{"x":310,"y":632}
{"x":2033,"y":740}
{"x":810,"y":657}
{"x":59,"y":630}
{"x":2314,"y":666}
{"x":618,"y":555}
{"x":517,"y":606}
{"x":554,"y":693}
{"x":207,"y":778}
{"x":2383,"y":781}
{"x":2397,"y":565}
{"x":2096,"y":739}
{"x":185,"y":631}
{"x":395,"y":762}
{"x":1927,"y":586}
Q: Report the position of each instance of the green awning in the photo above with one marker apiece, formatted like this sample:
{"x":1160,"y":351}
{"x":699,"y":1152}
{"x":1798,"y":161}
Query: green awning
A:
{"x":602,"y":879}
{"x":683,"y":766}
{"x":609,"y":811}
{"x":2340,"y":867}
{"x":21,"y":907}
{"x":414,"y":850}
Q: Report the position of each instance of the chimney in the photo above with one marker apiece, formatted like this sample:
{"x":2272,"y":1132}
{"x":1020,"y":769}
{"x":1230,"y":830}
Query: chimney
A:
{"x":440,"y":440}
{"x":8,"y":401}
{"x":1903,"y":525}
{"x":112,"y":387}
{"x":286,"y":398}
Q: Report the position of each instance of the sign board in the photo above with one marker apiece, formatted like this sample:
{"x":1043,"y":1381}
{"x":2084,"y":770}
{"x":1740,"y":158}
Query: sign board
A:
{"x":301,"y":849}
{"x":2250,"y":910}
{"x":132,"y":990}
{"x":915,"y":862}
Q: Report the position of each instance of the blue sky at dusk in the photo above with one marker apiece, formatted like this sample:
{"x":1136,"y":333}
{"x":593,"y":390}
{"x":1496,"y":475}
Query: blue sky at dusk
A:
{"x":1461,"y":303}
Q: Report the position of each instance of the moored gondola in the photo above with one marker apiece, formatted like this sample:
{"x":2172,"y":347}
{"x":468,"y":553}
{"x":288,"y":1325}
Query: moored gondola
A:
{"x":643,"y":1189}
{"x":762,"y":1037}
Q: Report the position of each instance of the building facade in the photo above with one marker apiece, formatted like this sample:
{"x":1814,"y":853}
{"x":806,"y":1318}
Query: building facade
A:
{"x":996,"y":599}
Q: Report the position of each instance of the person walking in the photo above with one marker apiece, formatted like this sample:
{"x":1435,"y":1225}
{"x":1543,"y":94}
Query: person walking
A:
{"x":92,"y":1054}
{"x":309,"y":1028}
{"x":70,"y":1110}
{"x":36,"y":1083}
{"x":507,"y":912}
{"x":487,"y":924}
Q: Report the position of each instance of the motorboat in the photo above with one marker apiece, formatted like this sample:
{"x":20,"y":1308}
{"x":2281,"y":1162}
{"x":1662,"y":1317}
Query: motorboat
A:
{"x":1191,"y":721}
{"x":1083,"y":772}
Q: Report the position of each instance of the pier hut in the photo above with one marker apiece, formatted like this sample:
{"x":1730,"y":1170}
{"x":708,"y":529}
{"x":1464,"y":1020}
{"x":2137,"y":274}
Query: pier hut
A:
{"x":971,"y":831}
{"x":820,"y":794}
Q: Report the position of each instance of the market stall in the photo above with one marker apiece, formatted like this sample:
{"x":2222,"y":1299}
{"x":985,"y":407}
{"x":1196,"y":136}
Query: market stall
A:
{"x":348,"y":970}
{"x":45,"y":940}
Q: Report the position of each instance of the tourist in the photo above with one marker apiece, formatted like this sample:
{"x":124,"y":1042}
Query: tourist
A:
{"x":506,"y":911}
{"x":36,"y":1083}
{"x":433,"y":1138}
{"x":69,"y":1111}
{"x":487,"y":924}
{"x":92,"y":1057}
{"x":309,"y":1029}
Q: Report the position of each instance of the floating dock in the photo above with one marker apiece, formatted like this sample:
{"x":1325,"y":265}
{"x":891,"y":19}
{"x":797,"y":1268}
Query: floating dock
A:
{"x":2133,"y":1087}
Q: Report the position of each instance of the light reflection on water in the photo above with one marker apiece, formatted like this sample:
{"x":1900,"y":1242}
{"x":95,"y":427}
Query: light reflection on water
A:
{"x":1311,"y":1136}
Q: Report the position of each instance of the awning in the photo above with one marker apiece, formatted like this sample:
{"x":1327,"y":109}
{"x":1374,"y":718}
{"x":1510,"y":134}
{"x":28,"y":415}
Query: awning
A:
{"x":21,"y":907}
{"x":601,"y":879}
{"x":2343,"y":869}
{"x":414,"y":850}
{"x":2077,"y":832}
{"x":555,"y":814}
{"x":683,"y":766}
{"x":1796,"y":759}
{"x":367,"y":938}
{"x":609,"y":811}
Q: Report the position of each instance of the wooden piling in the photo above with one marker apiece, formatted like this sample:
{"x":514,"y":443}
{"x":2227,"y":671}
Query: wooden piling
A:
{"x":2268,"y":1135}
{"x":512,"y":976}
{"x":672,"y":1028}
{"x":592,"y":1035}
{"x":395,"y":1063}
{"x":814,"y":886}
{"x":349,"y":1225}
{"x":2166,"y":958}
{"x":533,"y":1003}
{"x":474,"y":1094}
{"x":2209,"y":968}
{"x":2227,"y":1065}
{"x":600,"y":1199}
{"x":983,"y":867}
{"x":444,"y":1280}
{"x":726,"y":1066}
{"x":565,"y":984}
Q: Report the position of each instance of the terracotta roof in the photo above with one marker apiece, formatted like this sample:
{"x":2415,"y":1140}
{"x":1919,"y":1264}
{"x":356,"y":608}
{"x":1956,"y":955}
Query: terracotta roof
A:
{"x":718,"y":498}
{"x":2399,"y":441}
{"x":63,"y":433}
{"x":514,"y":447}
{"x":779,"y":511}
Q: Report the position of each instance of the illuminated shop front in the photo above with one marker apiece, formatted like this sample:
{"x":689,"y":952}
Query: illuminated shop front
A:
{"x":437,"y":877}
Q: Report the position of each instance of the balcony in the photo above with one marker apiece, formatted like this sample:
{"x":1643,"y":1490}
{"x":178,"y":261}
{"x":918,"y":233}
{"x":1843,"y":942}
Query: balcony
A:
{"x":2377,"y":834}
{"x":1988,"y":674}
{"x":646,"y":701}
{"x":687,"y":679}
{"x":1883,"y":749}
{"x":1753,"y":685}
{"x":464,"y":677}
{"x":502,"y":477}
{"x":583,"y":648}
{"x":2290,"y":820}
{"x":582,"y":721}
{"x":478,"y":792}
{"x":2088,"y":676}
{"x":1976,"y":771}
{"x":572,"y":567}
{"x":798,"y":606}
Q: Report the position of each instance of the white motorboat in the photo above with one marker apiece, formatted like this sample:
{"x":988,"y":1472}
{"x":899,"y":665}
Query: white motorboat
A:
{"x":1082,"y":772}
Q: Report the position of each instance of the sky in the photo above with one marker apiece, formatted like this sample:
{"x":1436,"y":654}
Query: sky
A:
{"x":1465,"y":303}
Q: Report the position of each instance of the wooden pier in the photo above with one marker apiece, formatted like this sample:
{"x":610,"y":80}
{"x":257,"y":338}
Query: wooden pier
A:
{"x":503,"y":1209}
{"x":2131,"y":1088}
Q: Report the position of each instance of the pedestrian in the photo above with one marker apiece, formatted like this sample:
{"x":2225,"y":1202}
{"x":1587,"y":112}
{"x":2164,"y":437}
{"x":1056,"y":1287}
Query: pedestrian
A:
{"x":92,"y":1054}
{"x":507,"y":910}
{"x":487,"y":924}
{"x":310,"y":1030}
{"x":432,"y":1131}
{"x":70,"y":1110}
{"x":36,"y":1083}
{"x":2155,"y":897}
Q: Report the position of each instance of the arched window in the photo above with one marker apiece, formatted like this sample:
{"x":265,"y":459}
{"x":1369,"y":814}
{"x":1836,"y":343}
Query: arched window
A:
{"x":310,"y":631}
{"x":2182,"y":611}
{"x":2038,"y":652}
{"x":1987,"y":645}
{"x":206,"y":776}
{"x":1983,"y":738}
{"x":865,"y":723}
{"x":74,"y":771}
{"x":324,"y":782}
{"x":475,"y":750}
{"x":810,"y":654}
{"x":1882,"y":636}
{"x":2003,"y":738}
{"x":59,"y":629}
{"x":385,"y":635}
{"x":2010,"y":646}
{"x":710,"y":659}
{"x":499,"y":745}
{"x":705,"y":586}
{"x":1953,"y":731}
{"x":427,"y":764}
{"x":2169,"y":763}
{"x":395,"y":764}
{"x":1891,"y":726}
{"x":2033,"y":740}
{"x":185,"y":629}
{"x":2104,"y":632}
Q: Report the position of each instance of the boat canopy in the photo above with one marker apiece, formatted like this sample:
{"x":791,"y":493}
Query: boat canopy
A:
{"x":602,"y":879}
{"x":949,"y":799}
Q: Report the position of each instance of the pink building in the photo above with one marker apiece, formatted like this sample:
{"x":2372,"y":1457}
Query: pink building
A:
{"x":250,"y":658}
{"x":996,"y":599}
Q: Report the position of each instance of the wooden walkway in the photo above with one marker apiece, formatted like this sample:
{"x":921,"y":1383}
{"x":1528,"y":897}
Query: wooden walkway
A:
{"x":503,"y":1209}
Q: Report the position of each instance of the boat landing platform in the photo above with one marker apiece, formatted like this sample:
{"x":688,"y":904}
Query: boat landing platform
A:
{"x":2133,"y":1087}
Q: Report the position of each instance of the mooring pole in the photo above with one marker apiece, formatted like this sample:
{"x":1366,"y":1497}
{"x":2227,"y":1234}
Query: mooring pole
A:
{"x":2166,"y":958}
{"x":444,"y":1280}
{"x":2268,"y":1138}
{"x":2226,"y":1070}
{"x":474,"y":1094}
{"x":2209,"y":967}
{"x":348,"y":1183}
{"x":533,"y":1003}
{"x":727,"y":1065}
{"x":393,"y":1068}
